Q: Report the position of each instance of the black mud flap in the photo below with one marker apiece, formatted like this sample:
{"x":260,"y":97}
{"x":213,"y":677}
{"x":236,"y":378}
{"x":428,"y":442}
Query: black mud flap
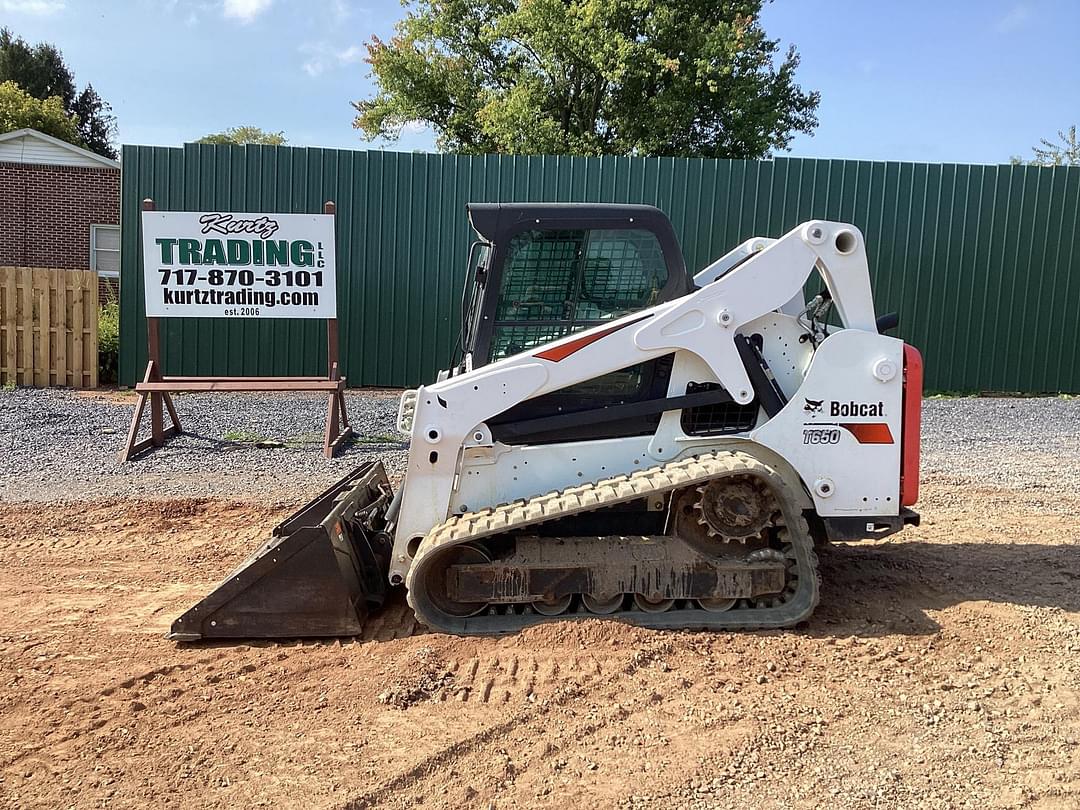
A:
{"x":320,"y":573}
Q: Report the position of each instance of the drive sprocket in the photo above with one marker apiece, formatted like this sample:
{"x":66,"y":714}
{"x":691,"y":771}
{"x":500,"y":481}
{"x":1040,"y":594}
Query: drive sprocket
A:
{"x":735,"y":509}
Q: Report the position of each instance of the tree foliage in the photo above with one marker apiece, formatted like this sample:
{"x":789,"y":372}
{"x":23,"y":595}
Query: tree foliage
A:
{"x":96,"y":122}
{"x":40,"y":70}
{"x":244,"y":135}
{"x":19,"y":110}
{"x":589,"y":77}
{"x":1065,"y":153}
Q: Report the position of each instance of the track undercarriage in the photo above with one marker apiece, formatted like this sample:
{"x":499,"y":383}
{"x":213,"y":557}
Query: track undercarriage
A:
{"x":731,"y":550}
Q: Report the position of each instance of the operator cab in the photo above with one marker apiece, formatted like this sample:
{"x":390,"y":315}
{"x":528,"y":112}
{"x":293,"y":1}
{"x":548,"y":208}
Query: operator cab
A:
{"x":541,"y":271}
{"x":545,"y":270}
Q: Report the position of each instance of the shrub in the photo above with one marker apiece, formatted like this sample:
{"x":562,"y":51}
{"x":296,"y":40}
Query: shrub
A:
{"x":108,"y":341}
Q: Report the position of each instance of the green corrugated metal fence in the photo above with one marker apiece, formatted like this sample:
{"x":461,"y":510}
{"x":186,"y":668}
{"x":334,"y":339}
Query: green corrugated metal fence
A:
{"x":980,"y":261}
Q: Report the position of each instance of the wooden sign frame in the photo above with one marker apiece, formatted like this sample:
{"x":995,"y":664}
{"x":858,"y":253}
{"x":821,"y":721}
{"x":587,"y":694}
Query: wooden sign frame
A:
{"x":157,"y":387}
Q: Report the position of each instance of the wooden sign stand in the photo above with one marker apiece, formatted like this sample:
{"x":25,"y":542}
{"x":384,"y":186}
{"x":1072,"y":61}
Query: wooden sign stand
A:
{"x":158,"y":387}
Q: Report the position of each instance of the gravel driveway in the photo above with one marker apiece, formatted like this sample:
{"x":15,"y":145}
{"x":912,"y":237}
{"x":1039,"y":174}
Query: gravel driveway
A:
{"x":62,"y":445}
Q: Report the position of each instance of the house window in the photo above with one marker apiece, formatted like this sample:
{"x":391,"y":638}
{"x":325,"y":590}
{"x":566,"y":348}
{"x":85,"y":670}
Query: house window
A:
{"x":105,"y":250}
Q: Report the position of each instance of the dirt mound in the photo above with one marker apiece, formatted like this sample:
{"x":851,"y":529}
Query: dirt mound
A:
{"x":428,"y":679}
{"x":170,"y":510}
{"x":585,"y":634}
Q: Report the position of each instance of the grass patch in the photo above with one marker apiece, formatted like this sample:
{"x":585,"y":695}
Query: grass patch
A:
{"x":243,"y":437}
{"x":379,"y":438}
{"x":304,"y":439}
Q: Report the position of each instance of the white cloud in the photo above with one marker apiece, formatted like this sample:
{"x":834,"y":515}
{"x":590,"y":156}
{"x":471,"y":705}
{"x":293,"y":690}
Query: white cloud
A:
{"x":351,"y":55}
{"x":39,"y":8}
{"x":323,"y":57}
{"x":245,"y":10}
{"x":1015,"y":18}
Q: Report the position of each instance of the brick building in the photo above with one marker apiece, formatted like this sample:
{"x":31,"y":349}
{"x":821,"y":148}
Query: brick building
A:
{"x":59,"y":206}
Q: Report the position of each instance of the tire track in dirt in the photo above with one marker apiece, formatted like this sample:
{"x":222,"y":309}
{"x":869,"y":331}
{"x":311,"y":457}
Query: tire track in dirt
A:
{"x":505,"y":677}
{"x":88,"y":713}
{"x":173,"y":686}
{"x":425,"y":777}
{"x":394,"y":620}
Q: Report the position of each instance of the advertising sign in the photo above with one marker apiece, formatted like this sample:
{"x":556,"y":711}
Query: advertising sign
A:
{"x":212,"y":264}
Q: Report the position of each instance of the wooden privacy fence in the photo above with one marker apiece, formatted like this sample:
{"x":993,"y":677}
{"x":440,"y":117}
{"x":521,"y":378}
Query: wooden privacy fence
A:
{"x":48,"y":327}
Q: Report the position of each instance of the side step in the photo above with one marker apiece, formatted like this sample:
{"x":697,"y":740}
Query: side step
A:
{"x":320,"y":573}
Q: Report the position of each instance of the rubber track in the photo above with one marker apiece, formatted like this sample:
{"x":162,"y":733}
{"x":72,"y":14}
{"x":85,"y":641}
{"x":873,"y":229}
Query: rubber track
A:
{"x":657,"y":480}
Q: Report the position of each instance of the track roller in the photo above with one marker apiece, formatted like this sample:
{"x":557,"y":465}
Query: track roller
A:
{"x":602,"y":605}
{"x":554,"y":606}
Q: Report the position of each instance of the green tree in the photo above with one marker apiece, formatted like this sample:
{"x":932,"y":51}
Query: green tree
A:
{"x":1048,"y":153}
{"x":244,"y":135}
{"x":40,"y":70}
{"x":96,"y":124}
{"x":19,"y":109}
{"x":591,"y":77}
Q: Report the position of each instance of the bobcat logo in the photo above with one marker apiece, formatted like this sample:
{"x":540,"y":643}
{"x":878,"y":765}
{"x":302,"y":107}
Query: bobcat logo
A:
{"x":813,"y":405}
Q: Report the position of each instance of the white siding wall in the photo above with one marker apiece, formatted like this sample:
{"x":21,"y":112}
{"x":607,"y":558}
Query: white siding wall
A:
{"x":35,"y":150}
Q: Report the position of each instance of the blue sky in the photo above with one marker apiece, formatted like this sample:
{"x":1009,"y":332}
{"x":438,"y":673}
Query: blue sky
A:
{"x":928,"y":81}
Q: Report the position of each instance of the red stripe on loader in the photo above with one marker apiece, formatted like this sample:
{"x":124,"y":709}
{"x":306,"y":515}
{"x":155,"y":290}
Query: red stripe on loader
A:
{"x":869,"y":432}
{"x":564,"y":350}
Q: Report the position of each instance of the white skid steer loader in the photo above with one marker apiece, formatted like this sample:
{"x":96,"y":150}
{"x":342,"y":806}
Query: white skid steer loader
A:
{"x":614,"y":438}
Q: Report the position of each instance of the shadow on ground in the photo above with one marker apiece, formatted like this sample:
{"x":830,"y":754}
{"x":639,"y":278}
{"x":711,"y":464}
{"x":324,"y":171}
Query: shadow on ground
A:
{"x":887,"y":588}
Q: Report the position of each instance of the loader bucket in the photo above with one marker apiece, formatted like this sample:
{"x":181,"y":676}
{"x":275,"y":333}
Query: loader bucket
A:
{"x":319,"y":574}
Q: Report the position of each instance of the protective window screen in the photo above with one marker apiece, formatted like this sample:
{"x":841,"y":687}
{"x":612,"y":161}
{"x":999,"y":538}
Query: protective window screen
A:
{"x":540,"y":277}
{"x":556,"y":282}
{"x":623,"y":271}
{"x":616,"y":383}
{"x":724,"y":417}
{"x":509,"y":340}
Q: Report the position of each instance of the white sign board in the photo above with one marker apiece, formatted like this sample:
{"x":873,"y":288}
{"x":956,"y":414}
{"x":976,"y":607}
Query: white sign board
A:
{"x":212,"y":264}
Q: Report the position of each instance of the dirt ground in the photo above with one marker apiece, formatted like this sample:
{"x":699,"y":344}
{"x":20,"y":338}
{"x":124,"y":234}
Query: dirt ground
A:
{"x":942,"y":669}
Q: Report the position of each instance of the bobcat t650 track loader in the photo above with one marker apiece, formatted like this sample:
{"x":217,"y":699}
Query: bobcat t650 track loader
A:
{"x":614,"y":438}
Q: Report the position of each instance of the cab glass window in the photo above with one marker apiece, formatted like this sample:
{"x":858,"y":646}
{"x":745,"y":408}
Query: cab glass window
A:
{"x":560,"y":281}
{"x":622,"y":271}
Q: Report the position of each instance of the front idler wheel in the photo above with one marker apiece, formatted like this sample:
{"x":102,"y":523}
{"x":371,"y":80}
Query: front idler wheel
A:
{"x":437,"y":584}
